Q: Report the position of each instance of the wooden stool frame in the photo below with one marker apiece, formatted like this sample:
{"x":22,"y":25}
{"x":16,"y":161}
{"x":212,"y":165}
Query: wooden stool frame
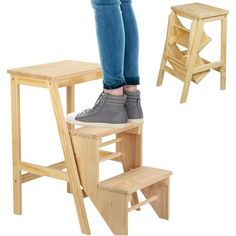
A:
{"x":78,"y":72}
{"x":192,"y":67}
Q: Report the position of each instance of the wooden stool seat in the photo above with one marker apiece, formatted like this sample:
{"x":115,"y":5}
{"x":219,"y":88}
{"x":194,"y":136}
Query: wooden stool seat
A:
{"x":51,"y":76}
{"x":134,"y":180}
{"x":187,"y":64}
{"x":198,"y":10}
{"x":98,"y":132}
{"x":63,"y":73}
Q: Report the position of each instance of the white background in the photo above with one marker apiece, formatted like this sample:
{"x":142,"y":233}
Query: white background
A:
{"x":196,"y":140}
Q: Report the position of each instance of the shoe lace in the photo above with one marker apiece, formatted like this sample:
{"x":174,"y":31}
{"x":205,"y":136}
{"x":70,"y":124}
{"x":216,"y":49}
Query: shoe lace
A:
{"x":95,"y":107}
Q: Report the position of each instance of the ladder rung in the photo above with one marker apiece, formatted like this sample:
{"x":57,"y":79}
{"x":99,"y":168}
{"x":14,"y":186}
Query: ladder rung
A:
{"x":109,"y":155}
{"x":149,"y":200}
{"x":44,"y":171}
{"x":206,"y":67}
{"x":117,"y":140}
{"x":206,"y":62}
{"x":182,"y":28}
{"x":29,"y":176}
{"x":174,"y":73}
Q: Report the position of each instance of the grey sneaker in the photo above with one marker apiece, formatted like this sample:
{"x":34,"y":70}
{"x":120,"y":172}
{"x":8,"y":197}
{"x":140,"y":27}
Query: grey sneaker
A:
{"x":108,"y":111}
{"x":133,"y":107}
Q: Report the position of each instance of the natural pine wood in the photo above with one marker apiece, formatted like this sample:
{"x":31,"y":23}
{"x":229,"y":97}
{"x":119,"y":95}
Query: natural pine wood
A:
{"x":131,"y":149}
{"x":58,"y":71}
{"x":161,"y":204}
{"x":44,"y":171}
{"x":51,"y":76}
{"x":98,"y":132}
{"x":223,"y":52}
{"x":187,"y":65}
{"x":70,"y":107}
{"x":198,"y":10}
{"x":138,"y":205}
{"x":29,"y":176}
{"x":194,"y":46}
{"x":69,"y":157}
{"x":111,"y":196}
{"x":135,"y":179}
{"x":16,"y":145}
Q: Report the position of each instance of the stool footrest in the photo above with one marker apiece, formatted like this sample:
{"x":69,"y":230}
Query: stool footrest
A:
{"x":135,"y":179}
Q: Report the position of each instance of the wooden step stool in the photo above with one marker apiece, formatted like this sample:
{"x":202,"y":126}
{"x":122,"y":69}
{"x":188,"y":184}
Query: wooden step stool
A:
{"x":111,"y":196}
{"x":187,"y":65}
{"x":50,"y":76}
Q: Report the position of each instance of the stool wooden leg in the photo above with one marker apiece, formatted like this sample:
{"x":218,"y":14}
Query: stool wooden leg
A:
{"x":70,"y":106}
{"x":163,"y":60}
{"x":223,"y":53}
{"x":161,"y":205}
{"x":161,"y":71}
{"x":130,"y":147}
{"x":114,"y":210}
{"x":69,"y":158}
{"x":194,"y":45}
{"x":16,"y":145}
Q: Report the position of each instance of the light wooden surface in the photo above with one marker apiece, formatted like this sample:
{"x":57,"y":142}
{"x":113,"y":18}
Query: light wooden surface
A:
{"x":111,"y":196}
{"x":51,"y":76}
{"x":134,"y":180}
{"x":16,"y":145}
{"x":69,"y":157}
{"x":223,"y":52}
{"x":161,"y":204}
{"x":199,"y":10}
{"x":64,"y":73}
{"x":98,"y":132}
{"x":194,"y":49}
{"x":131,"y":149}
{"x":188,"y":65}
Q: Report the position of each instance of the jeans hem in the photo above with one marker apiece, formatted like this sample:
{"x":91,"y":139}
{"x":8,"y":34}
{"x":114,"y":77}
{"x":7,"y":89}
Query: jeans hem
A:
{"x":113,"y":86}
{"x":132,"y":80}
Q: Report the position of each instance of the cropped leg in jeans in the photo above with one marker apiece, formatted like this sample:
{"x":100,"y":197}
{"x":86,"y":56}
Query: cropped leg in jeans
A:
{"x":117,"y":37}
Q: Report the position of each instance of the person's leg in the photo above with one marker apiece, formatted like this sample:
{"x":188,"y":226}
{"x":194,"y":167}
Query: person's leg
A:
{"x":131,"y":67}
{"x":111,"y":43}
{"x":131,"y":71}
{"x":109,"y":110}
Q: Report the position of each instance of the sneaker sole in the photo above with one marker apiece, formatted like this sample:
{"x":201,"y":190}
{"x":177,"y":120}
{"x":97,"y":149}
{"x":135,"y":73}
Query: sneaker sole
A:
{"x":136,"y":121}
{"x":70,"y":118}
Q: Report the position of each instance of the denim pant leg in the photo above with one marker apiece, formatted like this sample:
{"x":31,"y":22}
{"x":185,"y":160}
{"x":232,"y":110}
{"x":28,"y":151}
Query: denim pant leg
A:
{"x":131,"y":67}
{"x":111,"y":41}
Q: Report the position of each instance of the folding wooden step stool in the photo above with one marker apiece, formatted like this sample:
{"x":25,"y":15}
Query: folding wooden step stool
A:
{"x":50,"y":76}
{"x":111,"y":196}
{"x":187,"y":65}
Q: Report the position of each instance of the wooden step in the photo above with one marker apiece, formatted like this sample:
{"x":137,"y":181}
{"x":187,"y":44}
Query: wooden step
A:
{"x":98,"y":132}
{"x":135,"y":179}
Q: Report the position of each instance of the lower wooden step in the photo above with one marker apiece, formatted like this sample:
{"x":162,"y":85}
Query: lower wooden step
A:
{"x":135,"y":179}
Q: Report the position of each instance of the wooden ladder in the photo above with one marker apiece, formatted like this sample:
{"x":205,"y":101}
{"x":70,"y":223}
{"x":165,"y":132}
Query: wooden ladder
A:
{"x":187,"y":65}
{"x":111,"y":196}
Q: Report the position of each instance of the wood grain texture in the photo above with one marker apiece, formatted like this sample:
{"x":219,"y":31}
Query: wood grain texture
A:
{"x":135,"y":179}
{"x":16,"y":145}
{"x":69,"y":158}
{"x":199,"y":10}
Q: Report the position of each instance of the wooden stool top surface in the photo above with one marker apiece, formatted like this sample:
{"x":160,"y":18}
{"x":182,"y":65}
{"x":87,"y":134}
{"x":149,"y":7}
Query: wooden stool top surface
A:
{"x":99,"y":132}
{"x":60,"y":71}
{"x":133,"y":180}
{"x":199,"y":10}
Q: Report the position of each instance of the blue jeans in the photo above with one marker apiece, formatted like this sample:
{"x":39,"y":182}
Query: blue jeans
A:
{"x":117,"y":37}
